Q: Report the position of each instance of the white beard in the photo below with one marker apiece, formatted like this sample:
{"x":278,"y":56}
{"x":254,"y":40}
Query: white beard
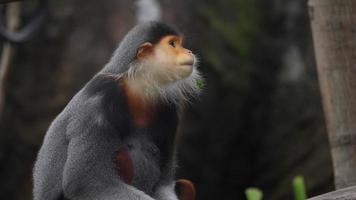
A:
{"x":161,"y":83}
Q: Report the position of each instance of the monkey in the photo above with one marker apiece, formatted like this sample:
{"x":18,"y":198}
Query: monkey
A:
{"x":115,"y":139}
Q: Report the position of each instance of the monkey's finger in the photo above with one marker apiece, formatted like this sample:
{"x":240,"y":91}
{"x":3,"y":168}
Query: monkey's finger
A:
{"x":185,"y":189}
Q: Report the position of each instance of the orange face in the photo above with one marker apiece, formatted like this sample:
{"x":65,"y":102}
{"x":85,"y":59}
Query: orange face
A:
{"x":168,"y":58}
{"x":172,"y":46}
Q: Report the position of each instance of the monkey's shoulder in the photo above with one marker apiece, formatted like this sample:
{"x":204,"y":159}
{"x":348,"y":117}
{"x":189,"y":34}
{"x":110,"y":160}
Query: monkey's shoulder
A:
{"x":98,"y":105}
{"x":100,"y":93}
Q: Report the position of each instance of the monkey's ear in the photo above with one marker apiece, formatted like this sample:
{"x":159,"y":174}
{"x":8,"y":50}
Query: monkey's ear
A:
{"x":144,"y":50}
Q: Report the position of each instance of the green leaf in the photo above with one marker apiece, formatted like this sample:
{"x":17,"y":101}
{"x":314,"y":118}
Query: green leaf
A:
{"x":299,"y":188}
{"x":200,"y":83}
{"x":253,"y":194}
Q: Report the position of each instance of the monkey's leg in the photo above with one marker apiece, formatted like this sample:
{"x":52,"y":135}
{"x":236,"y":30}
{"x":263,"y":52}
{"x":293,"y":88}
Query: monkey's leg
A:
{"x":90,"y":172}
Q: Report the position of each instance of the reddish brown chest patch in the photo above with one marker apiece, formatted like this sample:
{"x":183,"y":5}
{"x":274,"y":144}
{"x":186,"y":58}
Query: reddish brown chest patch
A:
{"x":142,"y":111}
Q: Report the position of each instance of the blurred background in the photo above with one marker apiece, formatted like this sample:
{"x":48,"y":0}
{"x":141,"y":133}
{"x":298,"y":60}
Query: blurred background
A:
{"x":259,"y":121}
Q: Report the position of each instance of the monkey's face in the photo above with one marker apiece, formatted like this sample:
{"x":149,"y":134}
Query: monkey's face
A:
{"x":169,"y":52}
{"x":167,"y":61}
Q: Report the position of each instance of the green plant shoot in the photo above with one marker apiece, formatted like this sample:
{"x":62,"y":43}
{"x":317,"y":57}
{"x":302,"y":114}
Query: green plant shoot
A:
{"x":299,"y":188}
{"x":253,"y":194}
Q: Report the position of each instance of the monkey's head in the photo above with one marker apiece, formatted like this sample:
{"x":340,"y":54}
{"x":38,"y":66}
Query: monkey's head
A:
{"x":154,"y":63}
{"x":166,"y":60}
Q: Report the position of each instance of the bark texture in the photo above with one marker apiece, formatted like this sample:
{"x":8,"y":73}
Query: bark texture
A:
{"x":342,"y":194}
{"x":333,"y":26}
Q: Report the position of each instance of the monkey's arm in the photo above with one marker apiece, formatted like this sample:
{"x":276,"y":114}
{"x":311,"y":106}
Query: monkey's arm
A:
{"x":48,"y":169}
{"x":90,"y":172}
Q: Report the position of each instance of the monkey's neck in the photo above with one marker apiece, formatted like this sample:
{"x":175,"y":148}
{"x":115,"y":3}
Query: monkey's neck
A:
{"x":142,"y":109}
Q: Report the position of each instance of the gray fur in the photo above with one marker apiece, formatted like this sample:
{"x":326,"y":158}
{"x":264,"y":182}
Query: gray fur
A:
{"x":125,"y":54}
{"x":76,"y":160}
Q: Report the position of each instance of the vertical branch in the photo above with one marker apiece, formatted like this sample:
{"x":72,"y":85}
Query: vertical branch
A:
{"x":8,"y":51}
{"x":148,"y":10}
{"x":334,"y":31}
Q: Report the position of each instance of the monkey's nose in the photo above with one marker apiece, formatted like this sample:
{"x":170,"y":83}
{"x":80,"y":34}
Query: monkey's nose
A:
{"x":188,"y":51}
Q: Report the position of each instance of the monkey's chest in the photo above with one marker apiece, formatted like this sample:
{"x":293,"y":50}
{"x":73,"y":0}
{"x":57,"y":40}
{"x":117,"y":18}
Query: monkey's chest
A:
{"x":143,"y":162}
{"x":144,"y":158}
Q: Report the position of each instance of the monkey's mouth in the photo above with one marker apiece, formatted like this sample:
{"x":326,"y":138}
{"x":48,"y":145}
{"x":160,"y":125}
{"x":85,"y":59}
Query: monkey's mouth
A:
{"x":189,"y":62}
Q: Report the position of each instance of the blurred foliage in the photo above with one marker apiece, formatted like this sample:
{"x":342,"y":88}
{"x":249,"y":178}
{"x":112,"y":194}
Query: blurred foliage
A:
{"x":237,"y":28}
{"x":235,"y":24}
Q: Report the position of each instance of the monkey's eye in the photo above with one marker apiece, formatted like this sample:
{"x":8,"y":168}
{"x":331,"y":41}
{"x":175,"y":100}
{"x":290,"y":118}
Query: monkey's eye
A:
{"x":172,"y":43}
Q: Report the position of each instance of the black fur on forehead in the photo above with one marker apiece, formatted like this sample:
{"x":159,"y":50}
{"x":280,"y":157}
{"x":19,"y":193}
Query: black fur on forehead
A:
{"x":155,"y":31}
{"x":126,"y":53}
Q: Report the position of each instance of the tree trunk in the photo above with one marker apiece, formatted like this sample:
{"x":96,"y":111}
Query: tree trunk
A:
{"x":342,"y":194}
{"x":334,"y":31}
